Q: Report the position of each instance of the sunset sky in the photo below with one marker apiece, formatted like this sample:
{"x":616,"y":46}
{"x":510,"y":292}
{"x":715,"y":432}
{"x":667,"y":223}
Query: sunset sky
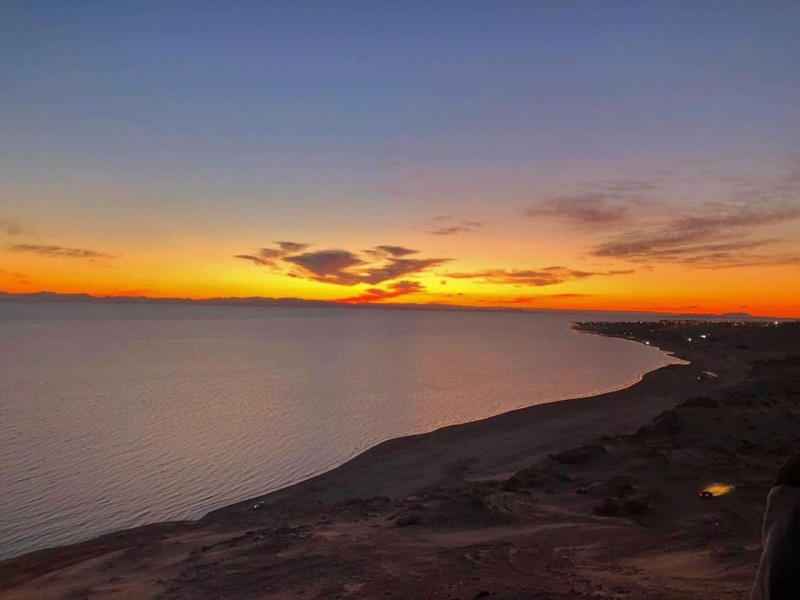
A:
{"x":549,"y":154}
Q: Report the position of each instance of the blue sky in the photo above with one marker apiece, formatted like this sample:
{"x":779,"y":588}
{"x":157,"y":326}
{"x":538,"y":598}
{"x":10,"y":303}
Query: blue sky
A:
{"x":152,"y":86}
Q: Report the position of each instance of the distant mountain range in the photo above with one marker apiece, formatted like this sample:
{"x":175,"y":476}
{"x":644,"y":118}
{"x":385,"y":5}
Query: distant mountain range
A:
{"x":254,"y":301}
{"x":257,"y":301}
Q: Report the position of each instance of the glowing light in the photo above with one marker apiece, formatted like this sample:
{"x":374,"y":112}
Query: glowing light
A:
{"x":717,"y":489}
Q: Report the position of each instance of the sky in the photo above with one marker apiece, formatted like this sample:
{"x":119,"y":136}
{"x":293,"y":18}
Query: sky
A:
{"x":612,"y":155}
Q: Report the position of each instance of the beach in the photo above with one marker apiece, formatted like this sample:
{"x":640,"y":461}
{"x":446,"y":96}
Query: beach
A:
{"x":586,"y":498}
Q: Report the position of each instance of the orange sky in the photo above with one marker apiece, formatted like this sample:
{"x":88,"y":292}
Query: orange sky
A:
{"x":624,"y":253}
{"x":616,"y":156}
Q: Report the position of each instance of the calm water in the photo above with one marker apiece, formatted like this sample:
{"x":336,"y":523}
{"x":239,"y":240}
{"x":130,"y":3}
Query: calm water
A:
{"x":115,"y":416}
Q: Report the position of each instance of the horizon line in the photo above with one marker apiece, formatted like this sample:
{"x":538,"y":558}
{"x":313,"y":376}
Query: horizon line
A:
{"x":44,"y":296}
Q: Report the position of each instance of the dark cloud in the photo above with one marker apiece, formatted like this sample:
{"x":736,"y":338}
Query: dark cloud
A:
{"x":343,"y":267}
{"x":269,"y":257}
{"x":396,"y":250}
{"x":536,"y":278}
{"x":731,"y":260}
{"x":716,"y":238}
{"x":394,"y":290}
{"x":266,"y":257}
{"x":292,"y":247}
{"x":271,"y":253}
{"x":677,"y":247}
{"x":59,"y":251}
{"x":451,"y":230}
{"x":439,"y":226}
{"x":712,"y":235}
{"x":400,"y":267}
{"x":256,"y":260}
{"x":738,"y":215}
{"x":590,"y":209}
{"x":604,"y":203}
{"x":329,"y":266}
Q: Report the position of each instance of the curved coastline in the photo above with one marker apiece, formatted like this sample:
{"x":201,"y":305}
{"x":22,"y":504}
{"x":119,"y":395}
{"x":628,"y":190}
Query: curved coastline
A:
{"x":490,"y":447}
{"x":573,"y":327}
{"x":305,"y":418}
{"x":500,"y":488}
{"x":503,"y":443}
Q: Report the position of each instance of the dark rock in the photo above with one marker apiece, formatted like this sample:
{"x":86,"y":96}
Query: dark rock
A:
{"x":636,"y":506}
{"x":524,"y":479}
{"x":623,"y":490}
{"x":607,"y":509}
{"x":667,"y":423}
{"x":701,"y":402}
{"x":646,"y":452}
{"x":410,"y":519}
{"x":581,"y":454}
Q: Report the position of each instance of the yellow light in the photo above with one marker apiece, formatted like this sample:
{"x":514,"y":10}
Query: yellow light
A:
{"x":719,"y":489}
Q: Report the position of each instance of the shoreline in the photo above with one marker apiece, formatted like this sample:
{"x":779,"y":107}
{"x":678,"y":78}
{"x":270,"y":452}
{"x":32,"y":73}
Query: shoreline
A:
{"x":341,"y":481}
{"x":431,"y":458}
{"x":373,"y":457}
{"x":491,"y":449}
{"x":360,"y":456}
{"x":47,"y":297}
{"x":367,"y":473}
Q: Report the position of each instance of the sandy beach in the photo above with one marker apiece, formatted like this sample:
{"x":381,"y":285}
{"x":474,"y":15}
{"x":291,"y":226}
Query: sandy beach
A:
{"x":586,"y":498}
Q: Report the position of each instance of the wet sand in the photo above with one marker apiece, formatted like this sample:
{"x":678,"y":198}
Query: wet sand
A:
{"x":585,"y":498}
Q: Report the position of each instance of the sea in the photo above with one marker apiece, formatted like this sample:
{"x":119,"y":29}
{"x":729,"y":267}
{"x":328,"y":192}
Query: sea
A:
{"x":113,"y":416}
